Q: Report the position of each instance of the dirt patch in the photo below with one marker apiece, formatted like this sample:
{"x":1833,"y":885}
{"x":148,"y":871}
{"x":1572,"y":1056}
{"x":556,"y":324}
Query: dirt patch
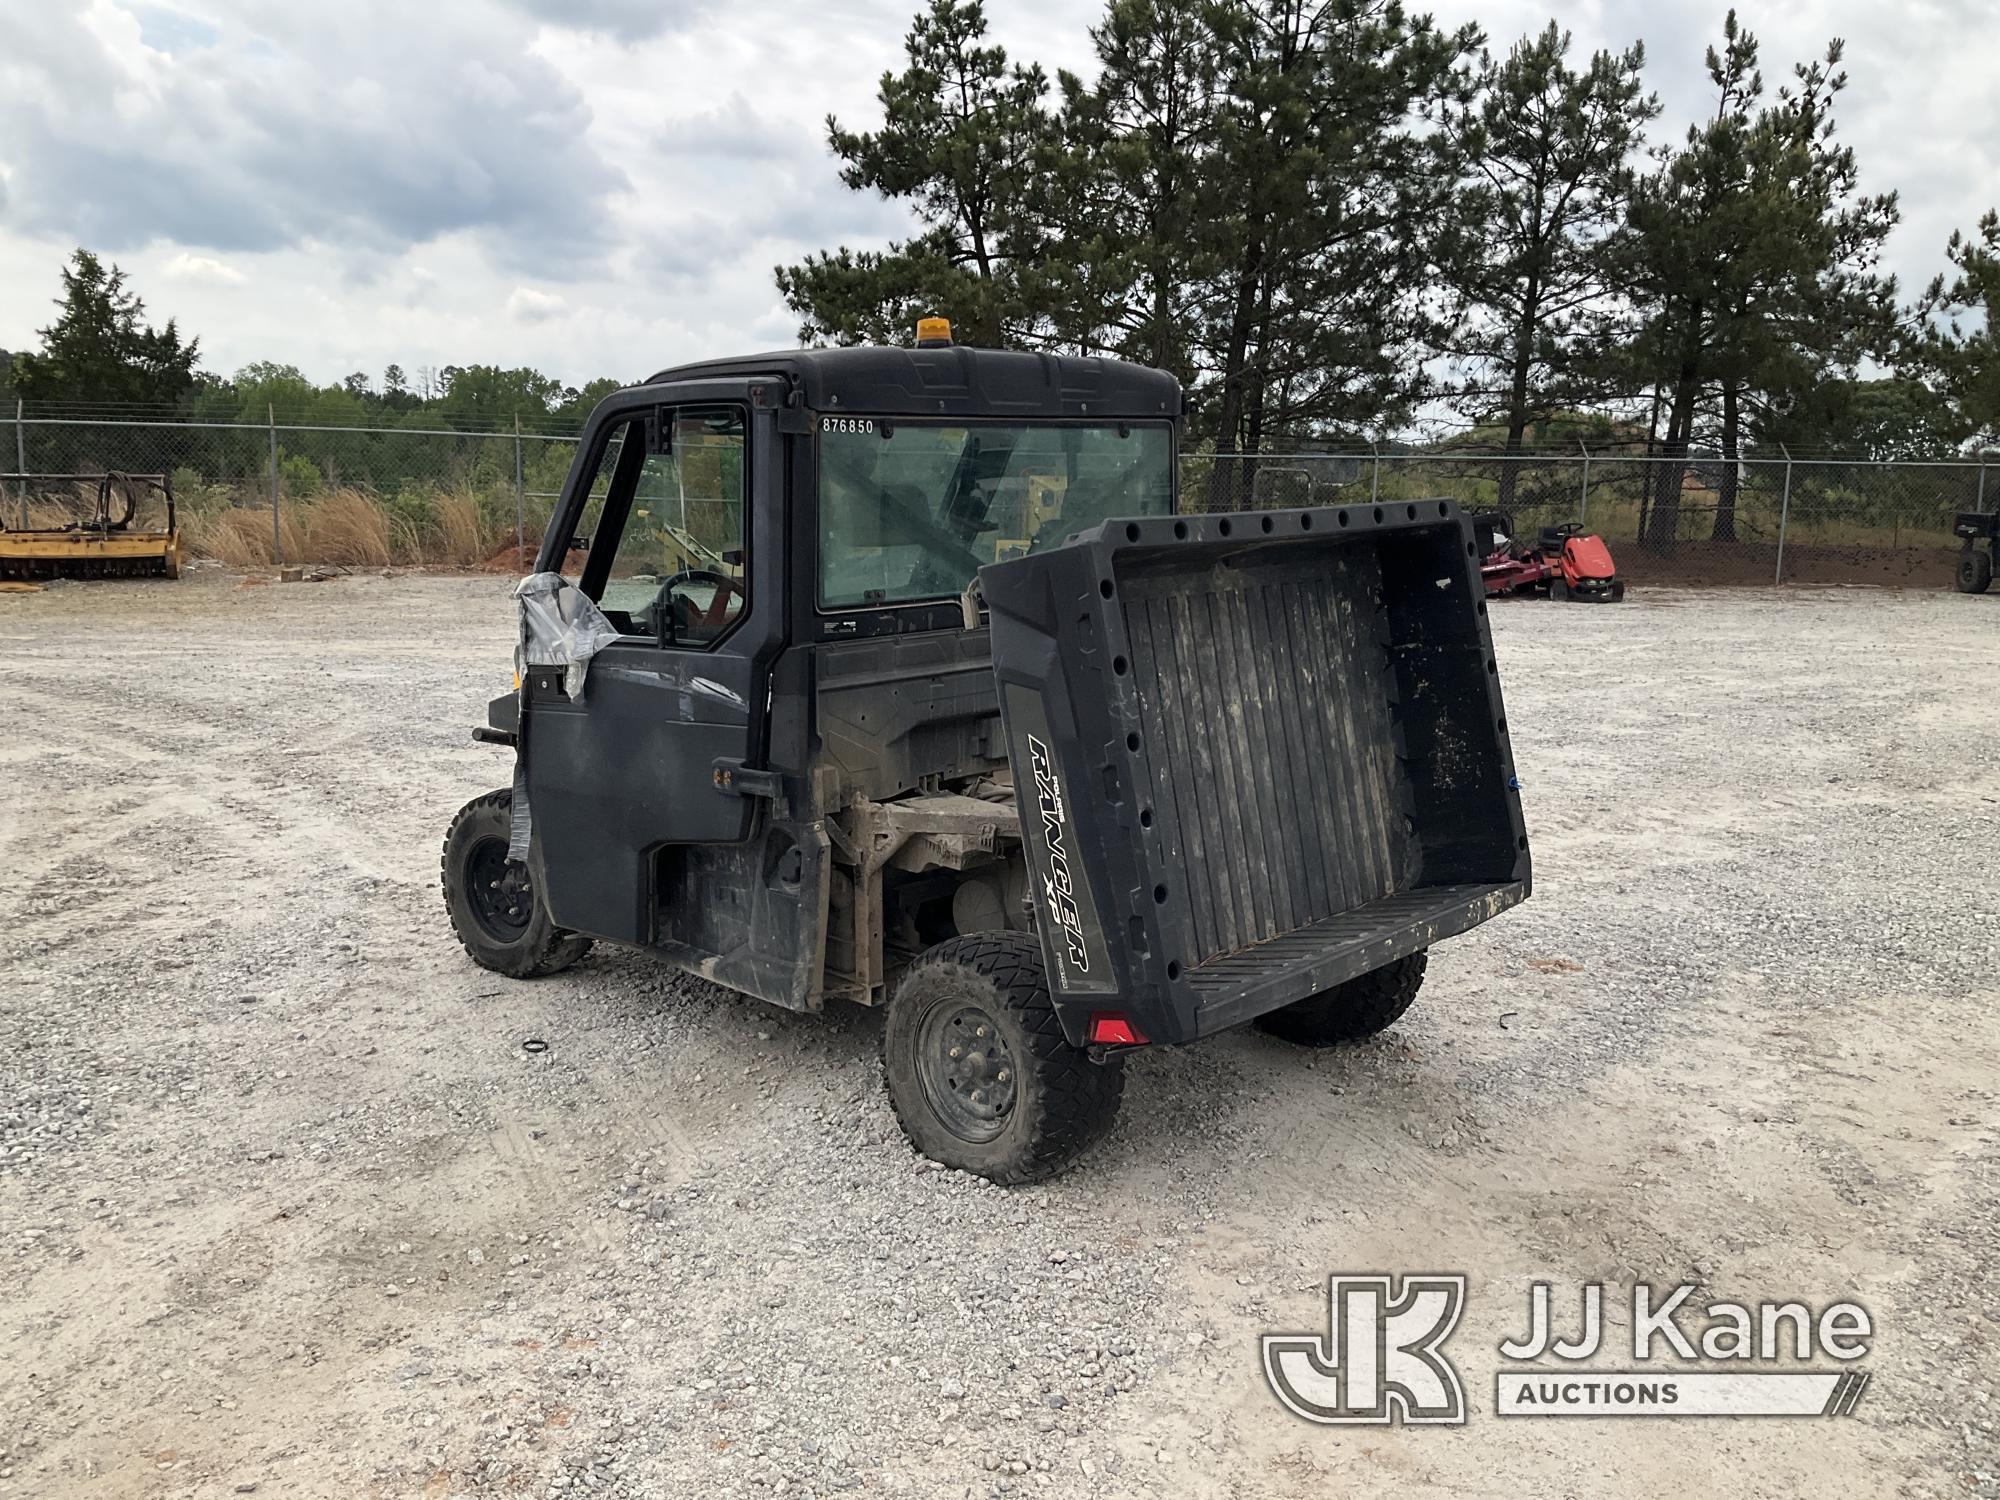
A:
{"x":1755,"y":563}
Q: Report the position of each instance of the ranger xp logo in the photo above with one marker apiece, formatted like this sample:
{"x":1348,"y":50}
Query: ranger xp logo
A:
{"x":1381,"y":1357}
{"x":1058,"y":885}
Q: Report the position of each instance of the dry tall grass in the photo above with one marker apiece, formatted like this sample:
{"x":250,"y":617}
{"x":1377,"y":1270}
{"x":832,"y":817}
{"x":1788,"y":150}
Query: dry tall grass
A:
{"x":241,"y":536}
{"x":462,"y":537}
{"x":348,"y":527}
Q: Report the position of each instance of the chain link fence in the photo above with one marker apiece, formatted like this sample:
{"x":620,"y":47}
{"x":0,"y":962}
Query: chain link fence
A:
{"x":254,"y":494}
{"x":1697,"y":518}
{"x":257,"y":494}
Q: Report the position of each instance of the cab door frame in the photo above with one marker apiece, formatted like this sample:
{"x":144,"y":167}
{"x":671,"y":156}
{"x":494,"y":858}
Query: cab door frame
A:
{"x":634,"y":764}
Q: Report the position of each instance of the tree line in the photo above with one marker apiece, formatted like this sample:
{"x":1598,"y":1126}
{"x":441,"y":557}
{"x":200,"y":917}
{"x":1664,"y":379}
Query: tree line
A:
{"x":100,"y":362}
{"x":101,"y":358}
{"x":1329,"y":216}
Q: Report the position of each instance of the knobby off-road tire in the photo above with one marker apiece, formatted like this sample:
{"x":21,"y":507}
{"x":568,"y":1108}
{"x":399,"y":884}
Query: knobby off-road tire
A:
{"x":1361,"y":1007}
{"x":1975,"y":570}
{"x":491,"y":900}
{"x":979,"y":1072}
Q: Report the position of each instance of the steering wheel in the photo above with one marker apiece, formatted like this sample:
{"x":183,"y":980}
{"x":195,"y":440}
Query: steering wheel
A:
{"x":687,"y":614}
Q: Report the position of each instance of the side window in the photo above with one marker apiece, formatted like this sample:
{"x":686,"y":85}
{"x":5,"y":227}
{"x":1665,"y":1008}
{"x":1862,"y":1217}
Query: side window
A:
{"x":672,"y":559}
{"x":583,"y":540}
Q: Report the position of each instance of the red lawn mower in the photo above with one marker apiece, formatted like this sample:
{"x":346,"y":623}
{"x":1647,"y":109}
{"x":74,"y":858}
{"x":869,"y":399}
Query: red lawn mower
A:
{"x":1566,"y":564}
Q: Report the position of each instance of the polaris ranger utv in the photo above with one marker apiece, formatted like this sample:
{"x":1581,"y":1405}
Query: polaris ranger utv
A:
{"x":910,"y":688}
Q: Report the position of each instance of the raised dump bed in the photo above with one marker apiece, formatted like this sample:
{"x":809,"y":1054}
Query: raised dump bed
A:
{"x":1277,"y":749}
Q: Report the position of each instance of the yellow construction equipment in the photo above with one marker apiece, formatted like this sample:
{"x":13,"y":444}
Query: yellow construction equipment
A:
{"x":106,"y":540}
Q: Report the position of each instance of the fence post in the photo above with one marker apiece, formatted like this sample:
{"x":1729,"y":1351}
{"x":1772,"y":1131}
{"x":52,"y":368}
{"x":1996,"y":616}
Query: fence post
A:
{"x":277,"y":539}
{"x":1978,"y":503}
{"x":520,"y":498}
{"x":1583,"y":497}
{"x":1375,"y":480}
{"x":21,"y":456}
{"x":1784,"y":516}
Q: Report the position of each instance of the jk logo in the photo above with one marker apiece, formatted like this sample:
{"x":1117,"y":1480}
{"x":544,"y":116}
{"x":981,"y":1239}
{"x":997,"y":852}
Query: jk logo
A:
{"x":1379,"y":1360}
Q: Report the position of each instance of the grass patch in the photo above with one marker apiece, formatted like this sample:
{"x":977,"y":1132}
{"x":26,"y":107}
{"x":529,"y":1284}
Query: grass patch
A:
{"x":350,"y":527}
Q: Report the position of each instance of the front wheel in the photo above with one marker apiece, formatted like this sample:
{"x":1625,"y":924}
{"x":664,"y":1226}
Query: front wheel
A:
{"x":1975,"y":571}
{"x":979,"y":1072}
{"x":494,"y":907}
{"x":1361,"y":1007}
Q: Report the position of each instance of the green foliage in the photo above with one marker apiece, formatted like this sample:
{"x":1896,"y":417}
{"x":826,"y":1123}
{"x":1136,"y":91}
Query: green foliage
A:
{"x":298,"y":476}
{"x":965,"y":141}
{"x":1545,"y":149}
{"x":1247,"y":195}
{"x":1330,"y":203}
{"x":1895,"y":417}
{"x":483,"y":398}
{"x":1137,"y":246}
{"x":99,"y":349}
{"x":1959,"y":340}
{"x":1754,"y":257}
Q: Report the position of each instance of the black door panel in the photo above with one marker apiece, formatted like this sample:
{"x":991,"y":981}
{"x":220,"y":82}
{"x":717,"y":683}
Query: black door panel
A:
{"x":628,"y":768}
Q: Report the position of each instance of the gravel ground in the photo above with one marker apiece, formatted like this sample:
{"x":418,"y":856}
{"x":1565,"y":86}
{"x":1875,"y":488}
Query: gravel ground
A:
{"x":291,"y":1209}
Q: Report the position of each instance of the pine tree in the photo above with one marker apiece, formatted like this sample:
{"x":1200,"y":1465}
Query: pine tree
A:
{"x":965,"y":140}
{"x":1546,"y":149}
{"x":99,"y":349}
{"x":1128,"y":192}
{"x":1959,"y":339}
{"x":1327,"y":213}
{"x":1754,"y":260}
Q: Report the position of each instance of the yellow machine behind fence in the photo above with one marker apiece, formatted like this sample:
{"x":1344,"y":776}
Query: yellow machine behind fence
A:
{"x":105,"y":536}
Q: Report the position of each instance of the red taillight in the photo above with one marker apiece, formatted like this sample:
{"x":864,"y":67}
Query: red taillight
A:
{"x":1111,"y":1029}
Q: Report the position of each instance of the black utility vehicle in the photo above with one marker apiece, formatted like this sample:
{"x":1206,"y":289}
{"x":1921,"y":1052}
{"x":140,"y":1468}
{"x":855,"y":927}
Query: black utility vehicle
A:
{"x":1975,"y":565}
{"x":924,"y":695}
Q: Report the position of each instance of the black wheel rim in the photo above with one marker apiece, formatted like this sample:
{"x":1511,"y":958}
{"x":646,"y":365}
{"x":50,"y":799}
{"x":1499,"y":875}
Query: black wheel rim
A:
{"x":501,"y":891}
{"x":968,"y":1070}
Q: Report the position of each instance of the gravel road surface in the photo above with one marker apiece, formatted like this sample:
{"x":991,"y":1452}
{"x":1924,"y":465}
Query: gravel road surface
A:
{"x":290,"y":1208}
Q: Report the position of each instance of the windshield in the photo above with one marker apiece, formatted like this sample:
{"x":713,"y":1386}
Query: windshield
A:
{"x":911,"y":510}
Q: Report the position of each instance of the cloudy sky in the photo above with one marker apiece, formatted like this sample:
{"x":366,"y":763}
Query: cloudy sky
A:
{"x":603,"y":186}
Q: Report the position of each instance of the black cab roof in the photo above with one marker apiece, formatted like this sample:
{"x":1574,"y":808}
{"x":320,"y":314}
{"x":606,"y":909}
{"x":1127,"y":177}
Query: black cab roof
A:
{"x":955,"y":380}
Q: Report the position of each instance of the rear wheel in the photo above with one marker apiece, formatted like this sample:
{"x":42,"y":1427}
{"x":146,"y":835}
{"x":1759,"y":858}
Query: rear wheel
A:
{"x":1558,"y":589}
{"x":494,"y":907}
{"x":1975,"y":571}
{"x":979,"y":1072}
{"x":1361,"y":1007}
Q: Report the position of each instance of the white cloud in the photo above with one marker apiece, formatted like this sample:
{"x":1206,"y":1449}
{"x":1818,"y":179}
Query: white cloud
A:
{"x":187,"y":267}
{"x":526,"y":305}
